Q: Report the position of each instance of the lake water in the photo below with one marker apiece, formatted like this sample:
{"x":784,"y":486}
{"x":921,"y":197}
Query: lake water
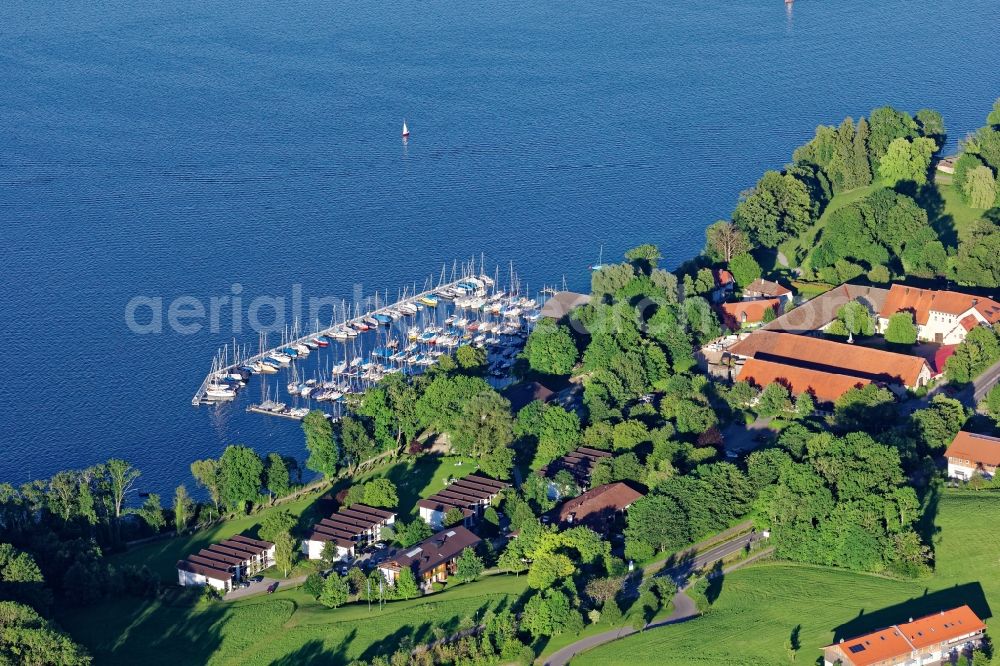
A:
{"x":178,"y":148}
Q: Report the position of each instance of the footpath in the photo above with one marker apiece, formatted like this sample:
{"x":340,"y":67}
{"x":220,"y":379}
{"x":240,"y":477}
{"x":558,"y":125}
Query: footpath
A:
{"x":684,"y":607}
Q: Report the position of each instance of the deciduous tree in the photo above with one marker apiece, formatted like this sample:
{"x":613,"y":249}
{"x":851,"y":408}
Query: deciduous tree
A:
{"x":550,"y":349}
{"x":240,"y":469}
{"x":183,"y":508}
{"x":901,"y":329}
{"x":323,"y":453}
{"x":725,"y":240}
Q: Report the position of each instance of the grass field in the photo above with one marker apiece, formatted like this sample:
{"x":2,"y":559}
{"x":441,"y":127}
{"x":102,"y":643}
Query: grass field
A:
{"x":285,"y":628}
{"x":801,"y":246}
{"x":952,"y":224}
{"x":414,"y":478}
{"x":961,"y":216}
{"x":760,"y":607}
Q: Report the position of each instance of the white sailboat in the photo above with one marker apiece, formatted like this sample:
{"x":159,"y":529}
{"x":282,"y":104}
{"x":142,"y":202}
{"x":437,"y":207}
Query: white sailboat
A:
{"x":406,"y":132}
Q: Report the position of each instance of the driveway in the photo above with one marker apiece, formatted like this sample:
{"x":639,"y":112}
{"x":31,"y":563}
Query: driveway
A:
{"x":740,"y":438}
{"x":261,"y":587}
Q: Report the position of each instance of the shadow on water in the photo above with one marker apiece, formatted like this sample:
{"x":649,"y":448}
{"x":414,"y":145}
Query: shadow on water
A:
{"x":926,"y":604}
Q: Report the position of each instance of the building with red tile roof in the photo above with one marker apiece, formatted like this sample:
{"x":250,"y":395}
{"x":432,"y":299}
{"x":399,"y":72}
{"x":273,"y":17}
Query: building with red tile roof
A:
{"x":725,"y":283}
{"x":804,"y":351}
{"x":825,"y":387}
{"x":970,"y":453}
{"x":945,"y":317}
{"x":934,"y":639}
{"x":761,"y":288}
{"x":599,"y":507}
{"x":747,"y":314}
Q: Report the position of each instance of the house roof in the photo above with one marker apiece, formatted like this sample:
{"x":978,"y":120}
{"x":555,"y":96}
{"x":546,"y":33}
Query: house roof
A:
{"x":902,"y":639}
{"x":767,"y":288}
{"x":562,"y":303}
{"x":597,"y":501}
{"x":824,"y":386}
{"x":465,"y":493}
{"x":254,"y":543}
{"x":722,"y":277}
{"x":203,"y":570}
{"x":941,"y":356}
{"x":350,"y":523}
{"x":978,"y":449}
{"x":444,"y":546}
{"x":921,"y":302}
{"x":522,"y":394}
{"x":734,"y":315}
{"x":235,"y":550}
{"x":817,"y":312}
{"x":835,"y":357}
{"x":580,"y":463}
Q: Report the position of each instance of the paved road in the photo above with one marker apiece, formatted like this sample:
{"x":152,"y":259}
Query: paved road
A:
{"x":684,"y":607}
{"x":984,"y":382}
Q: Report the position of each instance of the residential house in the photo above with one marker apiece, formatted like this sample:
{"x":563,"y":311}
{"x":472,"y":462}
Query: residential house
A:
{"x":803,"y":351}
{"x":761,"y":289}
{"x":945,"y":317}
{"x":825,"y":387}
{"x":933,"y":640}
{"x":579,"y":463}
{"x":349,"y":529}
{"x":599,"y":508}
{"x":970,"y":453}
{"x":470,"y":495}
{"x":225,"y":564}
{"x":432,"y":560}
{"x":748,"y":314}
{"x":725,"y":284}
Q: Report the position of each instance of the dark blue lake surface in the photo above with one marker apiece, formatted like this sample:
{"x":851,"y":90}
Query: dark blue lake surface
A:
{"x":177,"y":148}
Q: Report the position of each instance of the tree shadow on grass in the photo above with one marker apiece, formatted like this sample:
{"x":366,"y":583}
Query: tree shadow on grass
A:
{"x":927,"y":526}
{"x":313,"y":652}
{"x":927,"y":604}
{"x":410,"y":480}
{"x":405,"y":638}
{"x":716,"y":577}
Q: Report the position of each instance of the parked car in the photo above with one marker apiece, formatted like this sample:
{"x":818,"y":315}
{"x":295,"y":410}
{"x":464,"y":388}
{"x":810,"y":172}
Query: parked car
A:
{"x":258,"y":579}
{"x":272,"y":587}
{"x":343,"y":570}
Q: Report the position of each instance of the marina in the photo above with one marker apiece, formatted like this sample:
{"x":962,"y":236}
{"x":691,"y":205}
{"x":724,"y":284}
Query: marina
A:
{"x":320,"y":369}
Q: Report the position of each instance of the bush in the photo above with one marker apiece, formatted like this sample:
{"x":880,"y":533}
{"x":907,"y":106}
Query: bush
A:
{"x":313,"y":585}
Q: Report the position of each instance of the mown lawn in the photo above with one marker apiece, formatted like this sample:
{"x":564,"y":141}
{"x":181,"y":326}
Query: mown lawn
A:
{"x":807,"y":239}
{"x":414,"y":478}
{"x":760,"y":607}
{"x":420,"y":477}
{"x":961,"y":216}
{"x":953,"y":223}
{"x":287,"y":627}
